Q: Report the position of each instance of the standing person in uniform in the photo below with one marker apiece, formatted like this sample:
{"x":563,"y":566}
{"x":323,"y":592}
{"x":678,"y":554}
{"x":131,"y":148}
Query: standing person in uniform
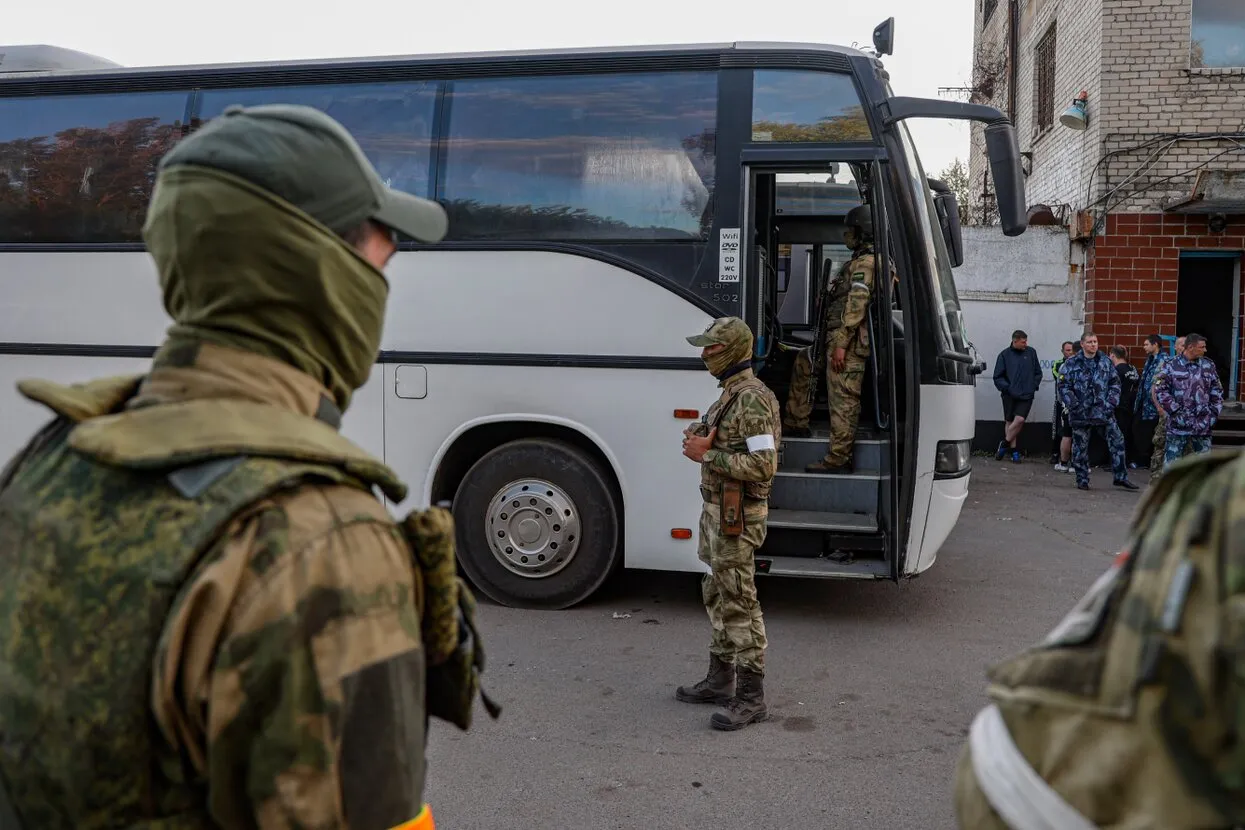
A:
{"x":1061,"y":430}
{"x":1145,"y":412}
{"x":1129,"y":381}
{"x":1159,"y":455}
{"x":1091,"y":391}
{"x":209,"y":619}
{"x":1128,"y":713}
{"x":1190,"y":392}
{"x":737,"y":449}
{"x":846,"y":332}
{"x":1017,"y":376}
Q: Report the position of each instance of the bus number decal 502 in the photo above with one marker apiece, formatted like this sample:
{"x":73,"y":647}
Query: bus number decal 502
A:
{"x":725,"y":298}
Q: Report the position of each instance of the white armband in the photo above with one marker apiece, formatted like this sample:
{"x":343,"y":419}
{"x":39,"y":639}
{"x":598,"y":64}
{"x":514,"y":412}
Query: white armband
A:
{"x":760,"y":442}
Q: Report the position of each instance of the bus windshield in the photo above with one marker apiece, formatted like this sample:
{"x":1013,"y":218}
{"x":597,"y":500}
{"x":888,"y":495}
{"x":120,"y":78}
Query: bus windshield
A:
{"x":950,"y":323}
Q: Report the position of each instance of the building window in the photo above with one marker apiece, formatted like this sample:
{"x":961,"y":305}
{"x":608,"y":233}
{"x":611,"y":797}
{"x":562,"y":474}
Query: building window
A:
{"x":1044,"y":82}
{"x":1218,"y":34}
{"x":987,"y":11}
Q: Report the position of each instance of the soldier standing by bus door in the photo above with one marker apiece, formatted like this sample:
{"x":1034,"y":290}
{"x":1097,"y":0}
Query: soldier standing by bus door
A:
{"x":845,"y":329}
{"x":736,"y":446}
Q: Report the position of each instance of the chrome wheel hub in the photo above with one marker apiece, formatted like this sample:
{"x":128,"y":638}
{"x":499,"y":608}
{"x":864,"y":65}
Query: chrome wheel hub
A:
{"x":533,"y":528}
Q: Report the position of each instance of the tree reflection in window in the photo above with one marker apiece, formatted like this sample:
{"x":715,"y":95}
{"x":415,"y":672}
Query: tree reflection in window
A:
{"x":794,"y":105}
{"x":80,"y":169}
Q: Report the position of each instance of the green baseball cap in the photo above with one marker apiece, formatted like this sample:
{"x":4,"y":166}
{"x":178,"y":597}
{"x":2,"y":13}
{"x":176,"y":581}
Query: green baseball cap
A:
{"x":725,"y":331}
{"x":311,"y":161}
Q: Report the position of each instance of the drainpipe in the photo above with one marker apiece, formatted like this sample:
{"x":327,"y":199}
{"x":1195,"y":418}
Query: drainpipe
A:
{"x":1013,"y":52}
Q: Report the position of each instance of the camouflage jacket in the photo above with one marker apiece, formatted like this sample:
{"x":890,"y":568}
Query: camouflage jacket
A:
{"x":1090,"y":389}
{"x":155,"y":671}
{"x":847,"y":303}
{"x":1191,"y":394}
{"x":1130,"y":707}
{"x":749,"y":434}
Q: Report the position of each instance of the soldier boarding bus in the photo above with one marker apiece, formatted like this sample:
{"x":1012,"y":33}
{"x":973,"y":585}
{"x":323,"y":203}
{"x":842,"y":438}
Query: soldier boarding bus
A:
{"x":603,"y":205}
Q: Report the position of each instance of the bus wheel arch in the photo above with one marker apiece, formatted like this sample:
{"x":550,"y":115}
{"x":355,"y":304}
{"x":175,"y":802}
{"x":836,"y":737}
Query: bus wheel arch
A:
{"x":543,"y":485}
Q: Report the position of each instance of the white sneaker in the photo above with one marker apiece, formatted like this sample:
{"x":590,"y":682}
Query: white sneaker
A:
{"x":1060,"y":468}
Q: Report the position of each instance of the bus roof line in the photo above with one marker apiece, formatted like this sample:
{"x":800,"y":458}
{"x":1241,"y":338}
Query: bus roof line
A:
{"x":81,"y":64}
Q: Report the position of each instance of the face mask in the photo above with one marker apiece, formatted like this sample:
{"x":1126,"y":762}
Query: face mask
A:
{"x":850,"y":239}
{"x":719,"y":362}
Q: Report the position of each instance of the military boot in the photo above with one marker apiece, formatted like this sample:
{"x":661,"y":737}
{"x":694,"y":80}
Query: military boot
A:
{"x":747,"y":706}
{"x":717,"y":687}
{"x":790,"y":431}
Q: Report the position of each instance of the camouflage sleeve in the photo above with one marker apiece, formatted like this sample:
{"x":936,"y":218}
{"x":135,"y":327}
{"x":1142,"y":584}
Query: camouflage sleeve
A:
{"x":860,"y":272}
{"x":291,"y":672}
{"x":1163,"y":392}
{"x":1216,"y":391}
{"x":755,"y":418}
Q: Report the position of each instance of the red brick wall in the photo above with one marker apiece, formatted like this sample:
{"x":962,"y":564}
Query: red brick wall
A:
{"x":1133,"y":272}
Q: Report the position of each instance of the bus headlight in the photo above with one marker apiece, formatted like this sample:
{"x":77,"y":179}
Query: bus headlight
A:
{"x":951,"y":457}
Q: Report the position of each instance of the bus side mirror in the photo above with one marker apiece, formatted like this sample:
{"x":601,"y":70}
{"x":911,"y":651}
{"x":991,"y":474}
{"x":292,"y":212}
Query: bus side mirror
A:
{"x":1009,"y":180}
{"x":949,"y":218}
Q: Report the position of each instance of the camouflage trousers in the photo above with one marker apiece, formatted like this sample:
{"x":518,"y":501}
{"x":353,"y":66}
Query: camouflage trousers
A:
{"x":729,"y":589}
{"x":1159,"y":459}
{"x":843,"y":399}
{"x":1080,"y":449}
{"x":1160,"y":447}
{"x":1179,"y":446}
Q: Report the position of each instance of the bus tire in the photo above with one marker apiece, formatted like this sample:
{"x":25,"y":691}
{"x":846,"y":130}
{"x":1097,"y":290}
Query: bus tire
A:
{"x":537,"y":524}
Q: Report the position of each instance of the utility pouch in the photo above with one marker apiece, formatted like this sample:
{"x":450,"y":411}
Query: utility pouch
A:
{"x":732,"y":507}
{"x":452,"y":645}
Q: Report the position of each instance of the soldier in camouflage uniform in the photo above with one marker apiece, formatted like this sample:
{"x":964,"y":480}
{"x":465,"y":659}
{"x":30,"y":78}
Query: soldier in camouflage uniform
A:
{"x":1091,"y":391}
{"x":1128,"y":714}
{"x":207,"y":618}
{"x":736,"y":446}
{"x":1160,"y":431}
{"x":846,"y":332}
{"x":1190,"y":392}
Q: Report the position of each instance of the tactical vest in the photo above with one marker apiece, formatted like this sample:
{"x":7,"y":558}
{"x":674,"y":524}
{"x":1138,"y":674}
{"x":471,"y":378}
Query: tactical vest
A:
{"x":102,"y":523}
{"x":1133,"y":708}
{"x":838,"y":293}
{"x":710,"y":480}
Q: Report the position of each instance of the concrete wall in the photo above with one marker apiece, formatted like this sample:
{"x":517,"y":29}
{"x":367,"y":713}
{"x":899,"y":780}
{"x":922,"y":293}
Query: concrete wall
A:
{"x":1020,"y":283}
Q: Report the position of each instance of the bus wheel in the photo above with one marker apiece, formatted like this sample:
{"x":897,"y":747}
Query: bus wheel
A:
{"x":537,"y":525}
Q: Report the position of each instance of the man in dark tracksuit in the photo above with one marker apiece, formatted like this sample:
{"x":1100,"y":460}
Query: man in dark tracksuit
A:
{"x":1017,"y":375}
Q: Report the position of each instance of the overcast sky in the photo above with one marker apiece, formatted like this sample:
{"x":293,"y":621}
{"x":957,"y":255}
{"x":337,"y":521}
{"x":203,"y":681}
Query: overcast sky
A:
{"x":933,"y":40}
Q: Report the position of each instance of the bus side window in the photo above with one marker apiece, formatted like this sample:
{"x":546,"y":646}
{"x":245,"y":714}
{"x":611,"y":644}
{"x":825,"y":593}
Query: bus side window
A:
{"x":80,"y":168}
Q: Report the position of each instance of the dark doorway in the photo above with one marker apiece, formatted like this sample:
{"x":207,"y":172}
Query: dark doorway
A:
{"x":1206,"y":303}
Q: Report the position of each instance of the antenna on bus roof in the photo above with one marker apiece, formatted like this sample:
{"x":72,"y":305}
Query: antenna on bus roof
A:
{"x":44,"y":58}
{"x":884,"y":37}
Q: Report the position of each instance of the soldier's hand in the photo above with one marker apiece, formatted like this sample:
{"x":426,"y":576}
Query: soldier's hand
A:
{"x":695,"y":447}
{"x":838,"y":360}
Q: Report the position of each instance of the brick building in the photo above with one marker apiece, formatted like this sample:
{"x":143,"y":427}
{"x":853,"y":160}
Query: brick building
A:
{"x":1152,"y":190}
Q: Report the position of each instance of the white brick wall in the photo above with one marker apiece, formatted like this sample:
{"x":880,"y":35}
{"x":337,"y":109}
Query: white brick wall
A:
{"x":1132,"y":56}
{"x":1062,"y":158}
{"x":1150,"y":91}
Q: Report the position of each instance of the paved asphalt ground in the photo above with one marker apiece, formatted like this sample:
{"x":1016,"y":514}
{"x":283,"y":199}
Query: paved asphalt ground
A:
{"x":871,"y":686}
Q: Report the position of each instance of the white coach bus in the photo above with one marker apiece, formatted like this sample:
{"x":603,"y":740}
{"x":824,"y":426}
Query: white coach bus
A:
{"x":604,"y":204}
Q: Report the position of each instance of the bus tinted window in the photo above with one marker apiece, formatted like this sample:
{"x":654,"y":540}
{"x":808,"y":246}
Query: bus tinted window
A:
{"x":793,"y":105}
{"x":601,"y":157}
{"x":80,"y":168}
{"x":392,"y":122}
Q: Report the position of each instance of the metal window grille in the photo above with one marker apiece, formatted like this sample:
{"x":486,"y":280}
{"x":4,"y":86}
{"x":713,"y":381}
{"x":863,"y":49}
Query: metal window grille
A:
{"x":1044,"y":83}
